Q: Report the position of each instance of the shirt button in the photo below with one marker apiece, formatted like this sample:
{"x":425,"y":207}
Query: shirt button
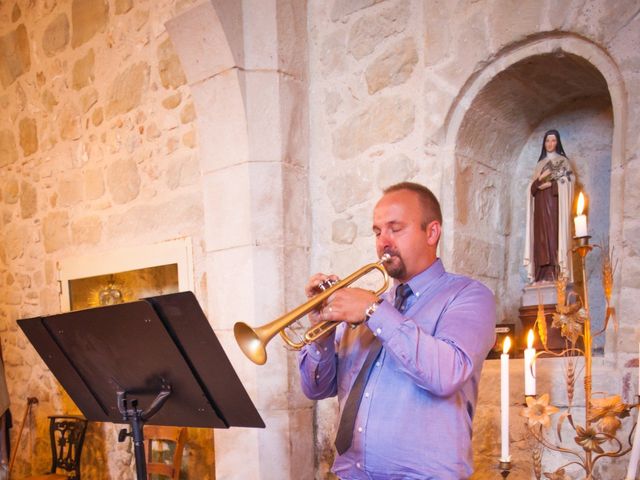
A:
{"x":360,"y":429}
{"x":377,"y":364}
{"x":366,"y":394}
{"x":358,"y":465}
{"x":378,"y":331}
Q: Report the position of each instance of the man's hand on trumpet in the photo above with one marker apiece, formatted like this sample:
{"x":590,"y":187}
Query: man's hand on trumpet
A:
{"x":345,"y":305}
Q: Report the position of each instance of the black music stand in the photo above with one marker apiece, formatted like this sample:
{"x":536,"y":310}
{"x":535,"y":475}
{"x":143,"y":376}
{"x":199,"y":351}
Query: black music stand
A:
{"x":160,"y":353}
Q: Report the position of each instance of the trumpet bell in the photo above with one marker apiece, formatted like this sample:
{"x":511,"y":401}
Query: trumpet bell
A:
{"x":250,"y":343}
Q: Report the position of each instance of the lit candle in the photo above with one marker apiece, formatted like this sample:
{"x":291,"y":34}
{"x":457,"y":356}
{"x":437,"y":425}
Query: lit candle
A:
{"x":580,"y":221}
{"x":529,"y":367}
{"x":504,"y":399}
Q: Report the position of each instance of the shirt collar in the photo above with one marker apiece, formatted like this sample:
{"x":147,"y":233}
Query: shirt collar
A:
{"x":420,"y":282}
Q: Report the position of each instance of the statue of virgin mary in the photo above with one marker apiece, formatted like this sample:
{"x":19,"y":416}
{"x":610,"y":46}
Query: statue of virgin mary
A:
{"x":548,"y":224}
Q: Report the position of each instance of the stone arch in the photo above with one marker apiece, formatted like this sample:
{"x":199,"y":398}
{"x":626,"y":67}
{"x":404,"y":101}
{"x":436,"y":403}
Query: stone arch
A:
{"x":491,"y":126}
{"x":248,"y":81}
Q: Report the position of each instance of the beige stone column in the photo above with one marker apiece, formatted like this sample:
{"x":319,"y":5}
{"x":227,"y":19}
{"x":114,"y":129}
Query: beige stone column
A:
{"x":246,"y":66}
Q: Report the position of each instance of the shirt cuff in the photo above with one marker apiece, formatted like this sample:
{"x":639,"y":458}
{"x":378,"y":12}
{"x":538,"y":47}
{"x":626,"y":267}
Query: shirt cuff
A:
{"x":322,"y":349}
{"x":385,"y":321}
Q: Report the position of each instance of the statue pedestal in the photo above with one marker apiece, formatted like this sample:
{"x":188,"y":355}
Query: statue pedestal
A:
{"x":540,"y":292}
{"x":545,"y":294}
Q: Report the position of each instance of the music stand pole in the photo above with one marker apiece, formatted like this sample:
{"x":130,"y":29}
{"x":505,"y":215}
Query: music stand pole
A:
{"x":136,"y":418}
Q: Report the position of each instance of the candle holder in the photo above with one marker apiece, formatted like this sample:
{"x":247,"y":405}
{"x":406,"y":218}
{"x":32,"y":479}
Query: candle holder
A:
{"x":596,"y":438}
{"x":505,"y":468}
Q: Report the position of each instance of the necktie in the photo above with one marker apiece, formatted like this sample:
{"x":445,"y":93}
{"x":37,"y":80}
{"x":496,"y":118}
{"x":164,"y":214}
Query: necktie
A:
{"x":344,"y":436}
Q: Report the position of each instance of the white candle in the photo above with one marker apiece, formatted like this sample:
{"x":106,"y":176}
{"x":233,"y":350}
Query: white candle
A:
{"x":504,"y":400}
{"x":635,"y":452}
{"x":529,"y":367}
{"x":580,"y":221}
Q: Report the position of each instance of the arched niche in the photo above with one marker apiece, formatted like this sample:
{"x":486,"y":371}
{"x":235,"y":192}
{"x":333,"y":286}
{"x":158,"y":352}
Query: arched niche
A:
{"x":494,"y":134}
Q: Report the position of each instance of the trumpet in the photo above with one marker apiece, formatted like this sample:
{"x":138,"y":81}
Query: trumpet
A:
{"x":253,"y":341}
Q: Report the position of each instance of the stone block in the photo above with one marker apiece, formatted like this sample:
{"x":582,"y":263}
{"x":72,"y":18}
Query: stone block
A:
{"x":343,"y":231}
{"x":437,"y":40}
{"x":384,"y":120}
{"x":28,"y":136}
{"x":70,"y":191}
{"x":15,"y":58}
{"x":512,"y":21}
{"x":70,"y":122}
{"x":123,"y":6}
{"x":169,"y":66}
{"x":188,"y":113}
{"x":93,"y":184}
{"x":347,"y":190}
{"x":264,"y":123}
{"x":182,"y":172}
{"x":56,"y":35}
{"x":395,"y":169}
{"x":87,"y":230}
{"x":55,"y":231}
{"x":8,"y":150}
{"x":11,"y":190}
{"x":190,"y":139}
{"x":48,"y":100}
{"x":267,"y":203}
{"x":294,"y":121}
{"x":209,"y":39}
{"x":369,"y":31}
{"x":97,"y":116}
{"x":292,"y":41}
{"x":222,"y":123}
{"x":83,"y":71}
{"x":172,"y":218}
{"x":227,"y":194}
{"x":126,"y":91}
{"x":261,"y":42}
{"x":295,"y":203}
{"x":343,"y":8}
{"x":87,"y":19}
{"x":393,"y":67}
{"x":28,"y":200}
{"x":172,"y":101}
{"x":123,"y":180}
{"x":332,"y":58}
{"x":14,"y":242}
{"x":223,"y":312}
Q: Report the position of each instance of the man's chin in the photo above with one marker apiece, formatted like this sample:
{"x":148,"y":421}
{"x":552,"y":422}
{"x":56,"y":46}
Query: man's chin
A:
{"x":395,"y":268}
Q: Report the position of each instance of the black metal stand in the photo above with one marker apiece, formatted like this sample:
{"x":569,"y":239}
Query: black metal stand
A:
{"x":183,"y":374}
{"x":135,"y":417}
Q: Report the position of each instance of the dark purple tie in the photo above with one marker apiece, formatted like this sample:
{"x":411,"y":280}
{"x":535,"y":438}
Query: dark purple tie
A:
{"x":344,"y":436}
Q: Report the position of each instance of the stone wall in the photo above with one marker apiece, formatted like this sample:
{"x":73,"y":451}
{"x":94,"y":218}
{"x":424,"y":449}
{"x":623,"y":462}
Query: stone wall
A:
{"x":115,"y":132}
{"x":98,"y":150}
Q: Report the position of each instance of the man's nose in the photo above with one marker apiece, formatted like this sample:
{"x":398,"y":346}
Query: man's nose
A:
{"x":383,"y":241}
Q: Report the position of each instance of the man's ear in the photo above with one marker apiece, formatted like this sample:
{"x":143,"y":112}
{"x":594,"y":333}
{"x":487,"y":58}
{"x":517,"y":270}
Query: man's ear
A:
{"x":434,"y":229}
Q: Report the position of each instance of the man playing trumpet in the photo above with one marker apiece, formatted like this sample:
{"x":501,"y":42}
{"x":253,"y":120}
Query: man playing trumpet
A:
{"x":407,"y":376}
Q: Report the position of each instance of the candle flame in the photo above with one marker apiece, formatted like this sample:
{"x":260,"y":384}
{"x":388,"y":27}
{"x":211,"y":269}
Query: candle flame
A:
{"x":580,"y":204}
{"x":506,"y":345}
{"x":530,"y":339}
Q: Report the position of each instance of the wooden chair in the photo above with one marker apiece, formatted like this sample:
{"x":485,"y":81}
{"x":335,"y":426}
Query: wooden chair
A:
{"x":67,"y":436}
{"x":170,"y":467}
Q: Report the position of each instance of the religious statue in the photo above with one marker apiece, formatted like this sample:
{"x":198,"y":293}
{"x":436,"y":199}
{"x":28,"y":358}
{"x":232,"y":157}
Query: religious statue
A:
{"x":548,"y":224}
